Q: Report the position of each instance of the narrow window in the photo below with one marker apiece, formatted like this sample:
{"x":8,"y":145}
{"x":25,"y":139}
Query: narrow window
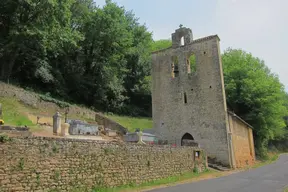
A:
{"x":191,"y":63}
{"x":185,"y":98}
{"x":182,"y":41}
{"x":175,"y":67}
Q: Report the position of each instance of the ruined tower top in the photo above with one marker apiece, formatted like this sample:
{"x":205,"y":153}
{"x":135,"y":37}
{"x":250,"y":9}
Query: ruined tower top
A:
{"x":181,"y":33}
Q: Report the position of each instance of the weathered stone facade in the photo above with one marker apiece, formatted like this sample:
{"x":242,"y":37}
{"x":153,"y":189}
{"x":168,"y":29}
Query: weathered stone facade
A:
{"x":242,"y":139}
{"x":43,"y":164}
{"x":191,"y":104}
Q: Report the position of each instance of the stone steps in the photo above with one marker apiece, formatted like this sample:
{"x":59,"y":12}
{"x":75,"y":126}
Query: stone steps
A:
{"x":218,"y":167}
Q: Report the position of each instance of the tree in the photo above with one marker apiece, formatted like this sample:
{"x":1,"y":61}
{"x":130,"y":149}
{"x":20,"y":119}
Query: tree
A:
{"x":76,"y":51}
{"x":30,"y":30}
{"x":161,"y":44}
{"x":255,"y":94}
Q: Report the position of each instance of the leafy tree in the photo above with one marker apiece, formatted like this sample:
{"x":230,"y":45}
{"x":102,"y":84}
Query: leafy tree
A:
{"x":29,"y":31}
{"x":161,"y":44}
{"x":76,"y":51}
{"x":255,"y":94}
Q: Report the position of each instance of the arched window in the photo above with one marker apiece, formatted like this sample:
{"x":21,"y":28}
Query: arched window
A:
{"x":186,"y":138}
{"x":182,"y":41}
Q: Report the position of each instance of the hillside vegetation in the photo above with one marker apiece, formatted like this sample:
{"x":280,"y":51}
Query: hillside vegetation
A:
{"x":99,"y":57}
{"x":17,"y":113}
{"x":14,"y":113}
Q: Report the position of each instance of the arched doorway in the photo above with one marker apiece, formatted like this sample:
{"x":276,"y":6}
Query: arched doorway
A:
{"x":186,"y":139}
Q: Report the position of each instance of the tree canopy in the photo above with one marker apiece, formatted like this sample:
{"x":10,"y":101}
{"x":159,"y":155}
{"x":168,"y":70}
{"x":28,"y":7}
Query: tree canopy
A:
{"x":255,"y":94}
{"x":77,"y":51}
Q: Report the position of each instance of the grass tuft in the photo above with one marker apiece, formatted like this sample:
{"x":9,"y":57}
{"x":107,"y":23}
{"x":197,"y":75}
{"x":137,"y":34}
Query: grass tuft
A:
{"x":13,"y":113}
{"x":272,"y":157}
{"x":165,"y":181}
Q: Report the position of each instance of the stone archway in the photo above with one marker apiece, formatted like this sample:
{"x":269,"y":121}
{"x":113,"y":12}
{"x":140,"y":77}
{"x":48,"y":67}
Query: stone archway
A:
{"x":186,"y":138}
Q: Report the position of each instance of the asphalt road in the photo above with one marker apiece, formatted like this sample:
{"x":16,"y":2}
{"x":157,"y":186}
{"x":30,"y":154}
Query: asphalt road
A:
{"x":270,"y":178}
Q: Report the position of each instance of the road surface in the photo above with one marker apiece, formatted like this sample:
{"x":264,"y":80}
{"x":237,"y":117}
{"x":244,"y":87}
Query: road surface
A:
{"x":270,"y":178}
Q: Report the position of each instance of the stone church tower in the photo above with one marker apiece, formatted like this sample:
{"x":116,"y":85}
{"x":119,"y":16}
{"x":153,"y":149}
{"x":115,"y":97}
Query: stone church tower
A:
{"x":188,"y":99}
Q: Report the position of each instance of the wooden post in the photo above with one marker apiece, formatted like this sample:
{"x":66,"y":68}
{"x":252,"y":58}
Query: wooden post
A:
{"x":0,"y":111}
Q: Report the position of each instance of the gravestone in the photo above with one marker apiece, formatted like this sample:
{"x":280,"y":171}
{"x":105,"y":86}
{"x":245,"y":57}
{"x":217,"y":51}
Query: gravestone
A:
{"x":111,"y":133}
{"x":65,"y":129}
{"x":57,"y":123}
{"x":78,"y":127}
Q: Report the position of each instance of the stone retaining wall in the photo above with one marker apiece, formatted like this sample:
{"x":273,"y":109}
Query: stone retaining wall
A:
{"x":109,"y":123}
{"x":34,"y":100}
{"x":43,"y":164}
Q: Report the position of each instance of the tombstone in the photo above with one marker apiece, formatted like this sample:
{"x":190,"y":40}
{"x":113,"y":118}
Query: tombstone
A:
{"x":57,"y":123}
{"x":65,"y":129}
{"x":111,"y":133}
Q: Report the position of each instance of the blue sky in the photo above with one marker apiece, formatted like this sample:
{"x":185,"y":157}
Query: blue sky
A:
{"x":256,"y":26}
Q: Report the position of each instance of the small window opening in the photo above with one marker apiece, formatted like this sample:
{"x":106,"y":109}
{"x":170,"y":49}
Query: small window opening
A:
{"x":204,"y":52}
{"x":185,"y":98}
{"x":197,"y":154}
{"x":191,"y":64}
{"x":175,"y":67}
{"x":210,"y":86}
{"x":182,"y":42}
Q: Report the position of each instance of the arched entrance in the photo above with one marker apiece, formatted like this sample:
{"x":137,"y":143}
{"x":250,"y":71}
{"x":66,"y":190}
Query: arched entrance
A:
{"x":186,"y":139}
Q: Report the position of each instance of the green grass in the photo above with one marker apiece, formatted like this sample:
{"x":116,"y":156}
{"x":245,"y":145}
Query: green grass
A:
{"x":165,"y":181}
{"x":286,"y":189}
{"x":272,"y":157}
{"x":13,"y":114}
{"x":131,"y":123}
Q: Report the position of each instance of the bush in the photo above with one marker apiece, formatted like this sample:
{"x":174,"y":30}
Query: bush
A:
{"x":48,"y":98}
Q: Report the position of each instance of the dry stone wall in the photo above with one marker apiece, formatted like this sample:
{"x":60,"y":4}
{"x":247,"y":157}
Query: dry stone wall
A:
{"x":45,"y":164}
{"x":110,"y":124}
{"x":34,"y":100}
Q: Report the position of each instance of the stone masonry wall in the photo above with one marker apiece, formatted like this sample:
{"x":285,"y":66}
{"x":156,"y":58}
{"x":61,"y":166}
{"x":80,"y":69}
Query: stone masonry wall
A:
{"x":109,"y":123}
{"x":243,"y":144}
{"x":191,"y":102}
{"x":44,"y":164}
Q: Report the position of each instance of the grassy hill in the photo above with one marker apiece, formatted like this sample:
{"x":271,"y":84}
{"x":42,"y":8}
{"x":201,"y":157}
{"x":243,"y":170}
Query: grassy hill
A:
{"x":132,"y":123}
{"x":18,"y":110}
